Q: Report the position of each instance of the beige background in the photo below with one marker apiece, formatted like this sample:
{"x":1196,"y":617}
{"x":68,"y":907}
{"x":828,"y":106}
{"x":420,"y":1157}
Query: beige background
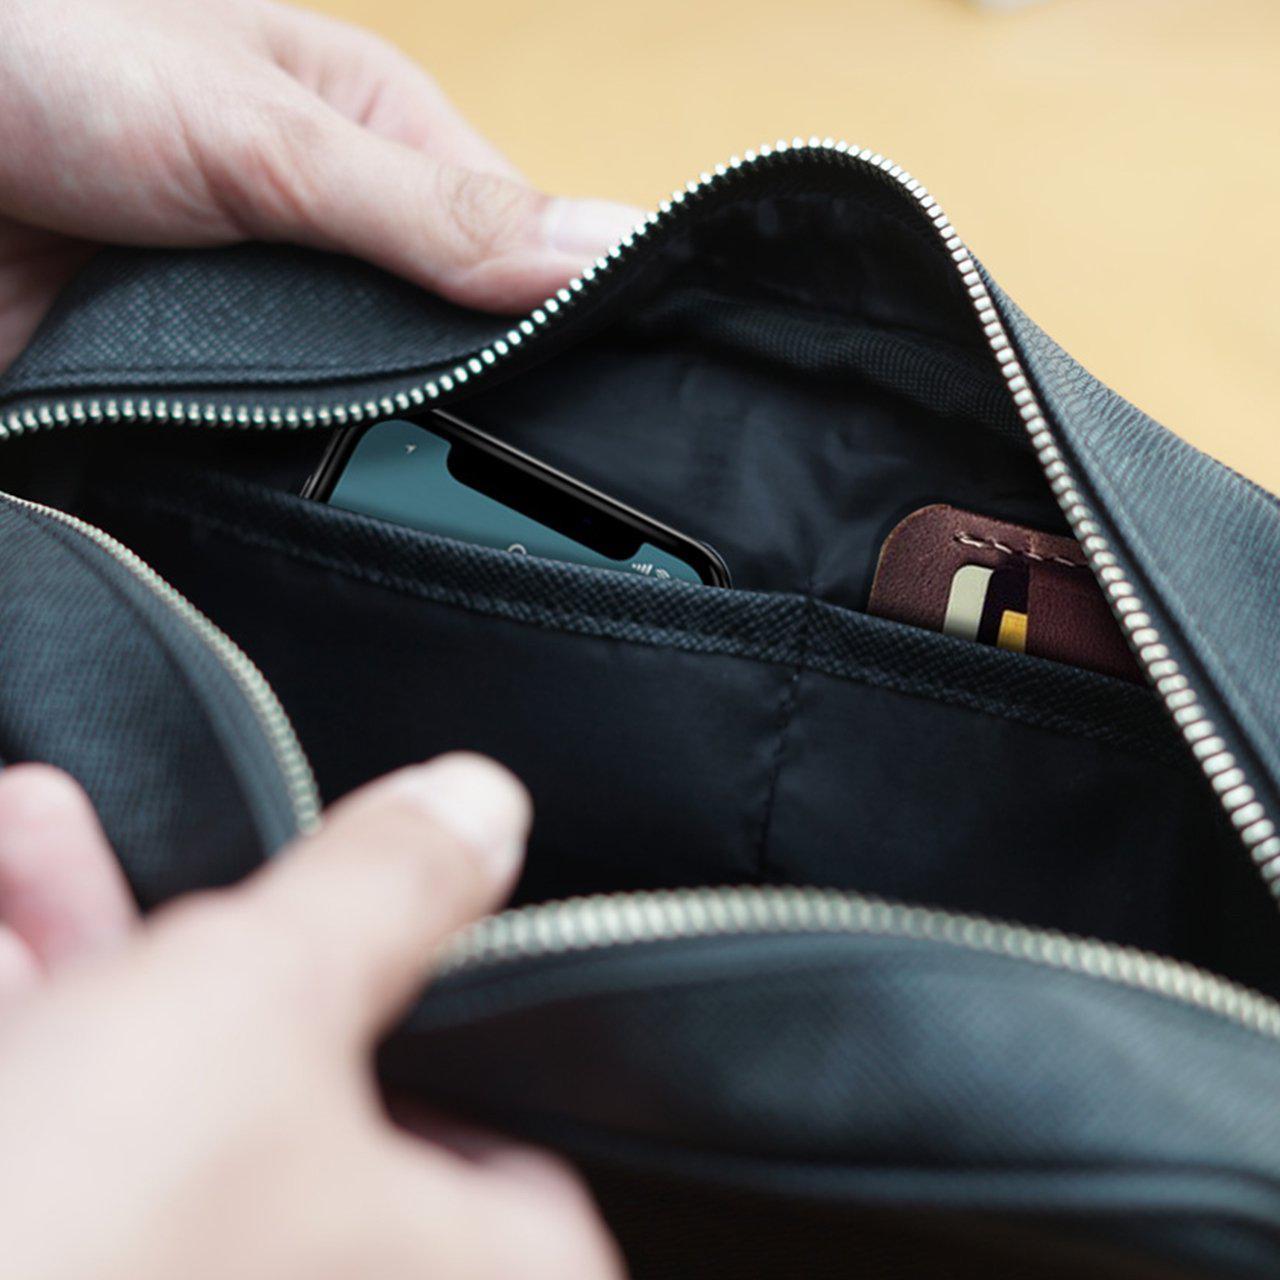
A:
{"x":1113,"y":162}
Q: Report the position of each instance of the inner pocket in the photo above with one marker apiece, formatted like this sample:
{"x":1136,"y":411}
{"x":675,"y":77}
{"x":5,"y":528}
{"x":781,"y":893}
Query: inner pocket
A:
{"x":679,"y":735}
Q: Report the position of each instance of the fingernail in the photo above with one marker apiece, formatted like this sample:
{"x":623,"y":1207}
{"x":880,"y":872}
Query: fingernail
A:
{"x":587,"y":228}
{"x":477,"y":800}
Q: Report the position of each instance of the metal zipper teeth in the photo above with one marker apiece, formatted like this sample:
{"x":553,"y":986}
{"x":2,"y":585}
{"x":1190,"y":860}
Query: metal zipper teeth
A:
{"x":628,"y":919}
{"x":1227,"y":778}
{"x":1237,"y":796}
{"x":295,"y":771}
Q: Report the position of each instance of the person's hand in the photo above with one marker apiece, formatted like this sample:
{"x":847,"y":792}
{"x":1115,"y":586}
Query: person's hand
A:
{"x":150,"y":122}
{"x":194,"y":1096}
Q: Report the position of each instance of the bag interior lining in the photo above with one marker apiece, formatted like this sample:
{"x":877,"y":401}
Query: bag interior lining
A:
{"x":730,"y":399}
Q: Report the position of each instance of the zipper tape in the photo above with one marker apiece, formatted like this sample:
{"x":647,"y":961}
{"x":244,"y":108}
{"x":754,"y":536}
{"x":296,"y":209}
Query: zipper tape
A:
{"x":605,"y":921}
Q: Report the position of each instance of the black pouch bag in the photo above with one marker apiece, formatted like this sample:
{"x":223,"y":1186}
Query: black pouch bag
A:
{"x":791,"y":1076}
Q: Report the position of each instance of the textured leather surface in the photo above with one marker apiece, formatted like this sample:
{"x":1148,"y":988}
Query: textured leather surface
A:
{"x":1031,"y":1089}
{"x":101,"y":679}
{"x":1205,"y":538}
{"x":249,"y":316}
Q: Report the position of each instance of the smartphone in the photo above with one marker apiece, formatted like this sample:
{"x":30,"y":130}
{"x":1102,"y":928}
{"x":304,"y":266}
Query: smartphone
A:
{"x":437,"y":473}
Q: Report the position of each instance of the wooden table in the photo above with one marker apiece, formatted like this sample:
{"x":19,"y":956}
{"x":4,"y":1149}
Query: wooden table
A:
{"x":1113,"y":162}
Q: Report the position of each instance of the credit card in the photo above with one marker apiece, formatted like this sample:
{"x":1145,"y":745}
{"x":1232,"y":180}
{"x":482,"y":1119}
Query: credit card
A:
{"x":995,"y":582}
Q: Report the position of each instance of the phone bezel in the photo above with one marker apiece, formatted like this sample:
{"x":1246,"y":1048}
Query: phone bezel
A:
{"x":701,"y":558}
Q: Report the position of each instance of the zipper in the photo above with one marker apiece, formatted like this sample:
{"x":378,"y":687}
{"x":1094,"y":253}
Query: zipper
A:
{"x":1225,"y":774}
{"x":609,"y":921}
{"x":295,"y":771}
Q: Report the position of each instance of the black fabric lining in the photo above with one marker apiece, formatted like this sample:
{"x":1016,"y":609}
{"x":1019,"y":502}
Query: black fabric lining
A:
{"x":788,"y":630}
{"x":810,"y":209}
{"x":937,"y":375}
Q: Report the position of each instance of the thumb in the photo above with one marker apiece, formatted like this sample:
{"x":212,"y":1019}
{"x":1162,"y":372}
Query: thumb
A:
{"x":478,"y":238}
{"x":365,"y":903}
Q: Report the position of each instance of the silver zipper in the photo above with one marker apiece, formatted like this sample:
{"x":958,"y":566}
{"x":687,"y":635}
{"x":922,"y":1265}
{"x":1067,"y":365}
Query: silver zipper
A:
{"x":295,"y":772}
{"x":594,"y":924}
{"x":1225,"y":774}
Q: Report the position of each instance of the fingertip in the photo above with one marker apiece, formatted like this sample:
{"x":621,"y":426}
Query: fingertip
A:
{"x":587,"y":229}
{"x":477,"y":800}
{"x":564,"y":239}
{"x":38,"y":805}
{"x":538,"y":1171}
{"x":61,"y":889}
{"x":35,"y":792}
{"x":19,"y":968}
{"x":513,"y":282}
{"x":393,"y":870}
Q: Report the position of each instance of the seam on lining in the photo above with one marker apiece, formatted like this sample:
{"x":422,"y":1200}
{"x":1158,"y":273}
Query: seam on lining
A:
{"x":786,"y":714}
